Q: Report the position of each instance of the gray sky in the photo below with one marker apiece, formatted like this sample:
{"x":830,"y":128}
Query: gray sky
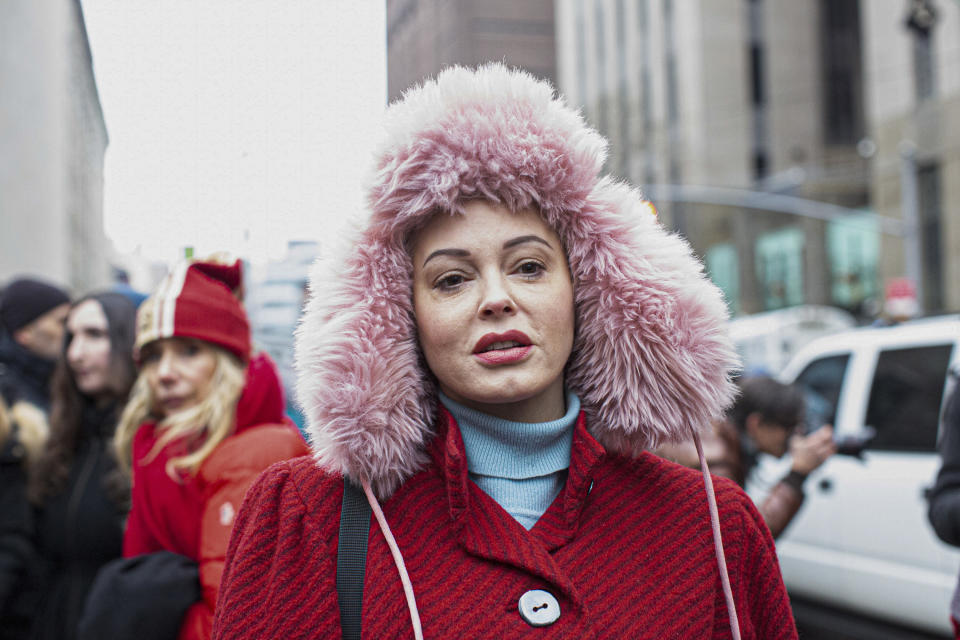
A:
{"x":235,"y":124}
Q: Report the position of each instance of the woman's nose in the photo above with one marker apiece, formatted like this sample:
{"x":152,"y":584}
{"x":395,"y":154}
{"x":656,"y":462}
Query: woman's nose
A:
{"x":165,"y":367}
{"x":75,"y":351}
{"x":497,"y":300}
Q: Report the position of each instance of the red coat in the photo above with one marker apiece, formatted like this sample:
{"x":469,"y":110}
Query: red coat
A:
{"x":194,"y":517}
{"x":626,"y":549}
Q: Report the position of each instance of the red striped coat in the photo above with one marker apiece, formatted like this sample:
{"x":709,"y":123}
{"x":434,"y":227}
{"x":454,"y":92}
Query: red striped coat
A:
{"x":626,"y":549}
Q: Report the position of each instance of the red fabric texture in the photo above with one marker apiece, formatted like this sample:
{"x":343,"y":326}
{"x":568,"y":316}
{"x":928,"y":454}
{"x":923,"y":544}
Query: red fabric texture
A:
{"x":194,"y":517}
{"x":626,"y":548}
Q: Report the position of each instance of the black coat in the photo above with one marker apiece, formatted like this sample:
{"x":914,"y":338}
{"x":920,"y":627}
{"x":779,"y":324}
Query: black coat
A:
{"x":19,"y":564}
{"x":74,"y":534}
{"x":24,"y":375}
{"x":944,"y":510}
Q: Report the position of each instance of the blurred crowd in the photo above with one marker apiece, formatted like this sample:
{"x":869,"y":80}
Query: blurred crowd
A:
{"x":126,"y":445}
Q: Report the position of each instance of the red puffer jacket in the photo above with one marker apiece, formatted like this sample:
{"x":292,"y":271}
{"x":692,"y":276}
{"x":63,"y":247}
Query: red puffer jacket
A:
{"x":194,"y":517}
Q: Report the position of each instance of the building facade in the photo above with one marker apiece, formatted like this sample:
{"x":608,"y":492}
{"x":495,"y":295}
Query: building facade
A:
{"x":424,"y":36}
{"x":53,"y":141}
{"x":754,"y":99}
{"x":912,"y":95}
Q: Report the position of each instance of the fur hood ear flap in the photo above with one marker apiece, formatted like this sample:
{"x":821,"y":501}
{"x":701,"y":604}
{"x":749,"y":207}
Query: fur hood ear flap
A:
{"x":652,"y":358}
{"x":370,"y":403}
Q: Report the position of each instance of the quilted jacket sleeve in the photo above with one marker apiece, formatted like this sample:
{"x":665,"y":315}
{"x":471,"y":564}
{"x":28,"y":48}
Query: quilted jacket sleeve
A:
{"x":226,"y":475}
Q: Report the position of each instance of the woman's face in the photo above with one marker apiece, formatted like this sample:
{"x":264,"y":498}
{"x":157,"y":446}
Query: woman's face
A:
{"x":179,"y":372}
{"x":494,"y":306}
{"x":88,"y":348}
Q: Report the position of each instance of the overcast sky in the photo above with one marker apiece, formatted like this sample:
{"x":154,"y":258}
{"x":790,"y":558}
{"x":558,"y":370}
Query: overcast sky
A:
{"x":235,"y":124}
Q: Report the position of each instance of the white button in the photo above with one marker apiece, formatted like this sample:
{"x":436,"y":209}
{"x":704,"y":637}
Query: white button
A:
{"x":539,"y":608}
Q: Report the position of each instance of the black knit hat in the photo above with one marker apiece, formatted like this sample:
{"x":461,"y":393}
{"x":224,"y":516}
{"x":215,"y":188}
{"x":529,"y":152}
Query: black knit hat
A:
{"x":25,"y":299}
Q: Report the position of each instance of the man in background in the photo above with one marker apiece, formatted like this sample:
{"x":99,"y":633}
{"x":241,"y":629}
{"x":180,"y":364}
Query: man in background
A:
{"x":32,"y":316}
{"x":767,"y":417}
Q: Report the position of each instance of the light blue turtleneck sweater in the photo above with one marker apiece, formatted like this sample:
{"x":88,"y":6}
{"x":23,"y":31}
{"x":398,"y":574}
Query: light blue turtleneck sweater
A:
{"x":521,"y":465}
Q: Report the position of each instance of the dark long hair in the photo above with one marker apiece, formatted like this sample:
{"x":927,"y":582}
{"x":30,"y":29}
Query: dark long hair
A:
{"x":68,"y":404}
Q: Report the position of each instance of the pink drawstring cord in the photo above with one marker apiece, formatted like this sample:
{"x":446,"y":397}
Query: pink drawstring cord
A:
{"x":397,"y":559}
{"x":717,"y":540}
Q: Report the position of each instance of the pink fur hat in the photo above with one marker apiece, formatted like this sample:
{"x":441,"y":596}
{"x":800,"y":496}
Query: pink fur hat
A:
{"x":651,"y":360}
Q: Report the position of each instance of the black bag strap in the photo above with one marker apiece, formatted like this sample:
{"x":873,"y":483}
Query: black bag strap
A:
{"x":352,"y":558}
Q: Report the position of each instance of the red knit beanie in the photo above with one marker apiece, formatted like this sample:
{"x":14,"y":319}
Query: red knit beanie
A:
{"x":198,"y":300}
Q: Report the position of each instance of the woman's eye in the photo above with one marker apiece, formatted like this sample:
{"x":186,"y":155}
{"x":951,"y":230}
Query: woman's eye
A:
{"x":530,"y":268}
{"x":191,"y":349}
{"x":449,"y":282}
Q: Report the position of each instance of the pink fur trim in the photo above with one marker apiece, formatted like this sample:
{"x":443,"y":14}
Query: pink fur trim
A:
{"x":651,"y":357}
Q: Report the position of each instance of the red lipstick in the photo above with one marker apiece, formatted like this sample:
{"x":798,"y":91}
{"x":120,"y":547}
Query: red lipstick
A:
{"x":502,"y":348}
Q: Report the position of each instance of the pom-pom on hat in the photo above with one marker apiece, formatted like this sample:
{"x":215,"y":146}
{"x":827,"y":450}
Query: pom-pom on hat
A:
{"x":198,"y":300}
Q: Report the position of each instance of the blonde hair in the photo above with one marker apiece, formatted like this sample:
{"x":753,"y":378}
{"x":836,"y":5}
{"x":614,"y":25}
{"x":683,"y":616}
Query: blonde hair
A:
{"x":32,"y":429}
{"x":203,"y":426}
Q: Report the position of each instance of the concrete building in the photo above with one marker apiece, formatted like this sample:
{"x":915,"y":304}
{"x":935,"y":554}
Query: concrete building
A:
{"x":912,"y":95}
{"x":424,"y":36}
{"x":53,"y":139}
{"x":763,"y":96}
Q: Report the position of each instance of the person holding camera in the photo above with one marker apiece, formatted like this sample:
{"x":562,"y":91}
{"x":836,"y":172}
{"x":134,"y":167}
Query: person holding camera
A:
{"x":767,"y":417}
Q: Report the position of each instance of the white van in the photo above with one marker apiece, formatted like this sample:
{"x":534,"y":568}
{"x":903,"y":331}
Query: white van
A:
{"x":766,"y":341}
{"x":862,"y":542}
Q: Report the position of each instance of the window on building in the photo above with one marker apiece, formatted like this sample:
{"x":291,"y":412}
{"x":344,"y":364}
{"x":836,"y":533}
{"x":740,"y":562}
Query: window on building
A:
{"x":779,"y":264}
{"x":841,"y":71}
{"x":671,"y":62}
{"x":622,"y":102}
{"x":853,"y":246}
{"x":923,"y":66}
{"x":600,"y":46}
{"x":646,"y":103}
{"x":930,"y":214}
{"x":758,"y":97}
{"x":760,"y":165}
{"x":905,"y":397}
{"x":581,"y":55}
{"x":722,"y":267}
{"x":920,"y":21}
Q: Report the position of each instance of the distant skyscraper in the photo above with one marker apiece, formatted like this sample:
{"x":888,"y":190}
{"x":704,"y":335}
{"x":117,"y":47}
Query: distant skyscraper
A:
{"x":424,"y":36}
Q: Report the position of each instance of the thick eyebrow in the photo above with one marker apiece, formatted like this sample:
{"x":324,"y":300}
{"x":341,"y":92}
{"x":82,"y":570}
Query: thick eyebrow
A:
{"x":459,"y":253}
{"x":522,"y":239}
{"x":463,"y":253}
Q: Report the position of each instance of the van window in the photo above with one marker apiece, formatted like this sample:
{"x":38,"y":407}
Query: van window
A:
{"x":905,"y":398}
{"x":821,"y":381}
